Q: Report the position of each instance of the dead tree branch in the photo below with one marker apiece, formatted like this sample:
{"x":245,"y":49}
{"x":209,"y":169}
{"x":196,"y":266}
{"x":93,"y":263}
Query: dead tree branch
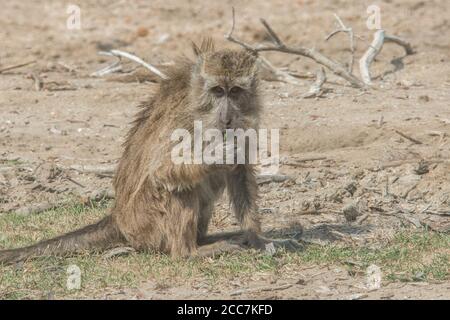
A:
{"x":349,"y":31}
{"x":316,"y":88}
{"x":274,"y":73}
{"x":364,"y":64}
{"x":406,"y":45}
{"x":17,"y":66}
{"x":374,"y":49}
{"x":369,"y":56}
{"x":280,"y":46}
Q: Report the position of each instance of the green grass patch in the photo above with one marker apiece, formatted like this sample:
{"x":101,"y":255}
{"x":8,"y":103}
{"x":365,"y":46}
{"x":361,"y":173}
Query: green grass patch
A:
{"x":12,"y":162}
{"x":410,"y":256}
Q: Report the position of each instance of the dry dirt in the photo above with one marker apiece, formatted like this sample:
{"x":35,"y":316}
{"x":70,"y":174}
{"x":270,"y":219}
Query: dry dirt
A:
{"x":77,"y":119}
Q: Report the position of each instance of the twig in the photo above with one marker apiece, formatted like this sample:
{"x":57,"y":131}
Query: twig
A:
{"x":299,"y":162}
{"x":116,"y":66}
{"x":408,"y":191}
{"x":349,"y":31}
{"x":316,"y":88}
{"x":100,"y":169}
{"x":437,"y":213}
{"x":17,"y":66}
{"x":300,"y":75}
{"x":408,"y":137}
{"x":132,"y":57}
{"x":380,"y":122}
{"x":267,"y":178}
{"x":75,"y":182}
{"x":428,"y":206}
{"x":260,"y":289}
{"x":275,"y":74}
{"x":310,"y":212}
{"x":275,"y":39}
{"x":310,"y":159}
{"x":38,"y":84}
{"x":67,"y":67}
{"x":406,"y":45}
{"x":230,"y":37}
{"x":139,"y":75}
{"x":279,"y":46}
{"x":362,"y":218}
{"x":435,"y":133}
{"x":397,"y":163}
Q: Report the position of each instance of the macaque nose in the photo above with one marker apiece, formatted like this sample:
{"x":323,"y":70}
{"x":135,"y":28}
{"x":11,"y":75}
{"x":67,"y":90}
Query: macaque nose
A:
{"x":226,"y":123}
{"x":226,"y":119}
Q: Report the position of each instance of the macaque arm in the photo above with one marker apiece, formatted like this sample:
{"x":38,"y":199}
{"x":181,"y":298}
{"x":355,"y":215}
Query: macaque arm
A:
{"x":179,"y":177}
{"x":243,"y":191}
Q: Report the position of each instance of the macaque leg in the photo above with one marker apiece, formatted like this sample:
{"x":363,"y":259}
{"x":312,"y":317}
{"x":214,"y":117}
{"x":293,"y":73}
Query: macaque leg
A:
{"x":209,"y":192}
{"x":242,"y":190}
{"x":179,"y":237}
{"x":206,"y":210}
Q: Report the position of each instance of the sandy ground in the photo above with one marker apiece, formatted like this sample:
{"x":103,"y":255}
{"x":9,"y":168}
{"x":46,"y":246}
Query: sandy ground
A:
{"x":77,"y":119}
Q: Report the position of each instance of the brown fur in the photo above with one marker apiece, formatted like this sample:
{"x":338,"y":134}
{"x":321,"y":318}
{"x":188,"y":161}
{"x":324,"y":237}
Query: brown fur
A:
{"x":165,"y":207}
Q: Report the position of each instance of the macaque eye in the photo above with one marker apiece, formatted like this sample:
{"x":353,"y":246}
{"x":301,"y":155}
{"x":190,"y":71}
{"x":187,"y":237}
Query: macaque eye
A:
{"x":235,"y":90}
{"x":218,"y":91}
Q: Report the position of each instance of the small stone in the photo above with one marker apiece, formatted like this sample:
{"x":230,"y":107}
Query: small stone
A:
{"x":351,"y":187}
{"x":57,"y":131}
{"x":267,"y":210}
{"x":270,"y":249}
{"x":351,"y":211}
{"x":422,"y":168}
{"x":163,"y":38}
{"x":142,"y":32}
{"x":424,"y":98}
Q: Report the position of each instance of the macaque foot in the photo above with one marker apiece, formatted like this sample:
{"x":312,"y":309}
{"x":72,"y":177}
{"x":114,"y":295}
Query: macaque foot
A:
{"x":258,"y":242}
{"x":217,"y":248}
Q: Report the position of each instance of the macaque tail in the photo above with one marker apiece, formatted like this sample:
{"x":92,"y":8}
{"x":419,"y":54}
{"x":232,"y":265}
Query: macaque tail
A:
{"x":99,"y":236}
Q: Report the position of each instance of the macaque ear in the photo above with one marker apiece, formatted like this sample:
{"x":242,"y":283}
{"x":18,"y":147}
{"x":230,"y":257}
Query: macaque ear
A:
{"x":207,"y":46}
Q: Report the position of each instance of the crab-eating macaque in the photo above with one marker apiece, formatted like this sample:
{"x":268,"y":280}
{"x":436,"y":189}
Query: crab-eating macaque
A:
{"x":166,"y":207}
